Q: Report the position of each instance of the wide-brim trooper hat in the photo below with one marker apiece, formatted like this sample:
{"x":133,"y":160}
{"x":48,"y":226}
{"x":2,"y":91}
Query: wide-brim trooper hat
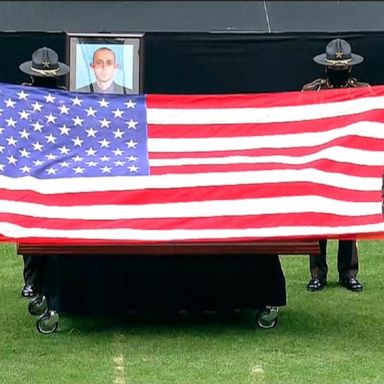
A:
{"x":45,"y":63}
{"x":338,"y":53}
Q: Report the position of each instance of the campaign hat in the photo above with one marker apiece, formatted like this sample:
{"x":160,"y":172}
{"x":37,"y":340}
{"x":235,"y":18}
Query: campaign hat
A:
{"x":338,"y":53}
{"x":45,"y":63}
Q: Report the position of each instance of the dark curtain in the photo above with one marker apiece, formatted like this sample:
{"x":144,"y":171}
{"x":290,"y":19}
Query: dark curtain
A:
{"x":216,"y":62}
{"x":244,"y":63}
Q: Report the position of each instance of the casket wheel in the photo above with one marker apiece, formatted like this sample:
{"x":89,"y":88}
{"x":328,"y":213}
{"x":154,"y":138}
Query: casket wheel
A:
{"x":267,"y":317}
{"x":37,"y":305}
{"x":48,"y":322}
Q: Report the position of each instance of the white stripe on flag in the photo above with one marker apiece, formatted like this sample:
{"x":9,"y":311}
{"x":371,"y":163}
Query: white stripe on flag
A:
{"x":14,"y":231}
{"x":336,"y":153}
{"x":191,"y":180}
{"x":210,"y":208}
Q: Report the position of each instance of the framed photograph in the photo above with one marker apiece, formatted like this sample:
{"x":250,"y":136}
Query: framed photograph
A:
{"x":105,"y":63}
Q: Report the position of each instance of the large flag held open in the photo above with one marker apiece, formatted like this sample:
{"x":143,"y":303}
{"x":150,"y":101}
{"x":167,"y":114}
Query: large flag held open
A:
{"x":94,"y":168}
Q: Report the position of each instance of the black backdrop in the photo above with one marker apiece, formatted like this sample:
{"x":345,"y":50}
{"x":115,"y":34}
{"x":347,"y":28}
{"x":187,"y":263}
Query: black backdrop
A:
{"x":201,"y":62}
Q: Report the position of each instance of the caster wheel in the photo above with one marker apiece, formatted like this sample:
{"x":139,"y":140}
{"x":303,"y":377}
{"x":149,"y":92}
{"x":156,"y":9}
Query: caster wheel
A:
{"x":37,"y":305}
{"x":267,"y":318}
{"x":48,"y":322}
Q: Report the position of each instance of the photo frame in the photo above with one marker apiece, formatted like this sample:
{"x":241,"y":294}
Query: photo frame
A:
{"x":125,"y":49}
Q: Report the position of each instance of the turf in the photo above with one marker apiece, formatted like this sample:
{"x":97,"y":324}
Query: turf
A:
{"x":333,"y":336}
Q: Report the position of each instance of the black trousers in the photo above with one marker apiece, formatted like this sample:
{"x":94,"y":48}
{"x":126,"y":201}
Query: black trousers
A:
{"x":36,"y":271}
{"x":33,"y":270}
{"x":347,"y":260}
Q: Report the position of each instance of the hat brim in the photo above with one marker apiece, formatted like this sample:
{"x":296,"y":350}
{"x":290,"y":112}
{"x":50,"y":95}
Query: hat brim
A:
{"x":321,"y":59}
{"x":27,"y":68}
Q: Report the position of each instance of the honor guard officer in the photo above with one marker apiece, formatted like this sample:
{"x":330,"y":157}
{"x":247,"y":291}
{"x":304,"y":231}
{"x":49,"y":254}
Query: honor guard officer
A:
{"x":44,"y":70}
{"x":338,"y":61}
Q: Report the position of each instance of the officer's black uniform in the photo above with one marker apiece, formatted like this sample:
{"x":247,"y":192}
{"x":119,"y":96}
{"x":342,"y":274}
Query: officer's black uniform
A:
{"x":338,"y":60}
{"x":44,"y":69}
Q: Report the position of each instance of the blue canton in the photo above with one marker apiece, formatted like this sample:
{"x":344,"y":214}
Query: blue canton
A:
{"x":49,"y":133}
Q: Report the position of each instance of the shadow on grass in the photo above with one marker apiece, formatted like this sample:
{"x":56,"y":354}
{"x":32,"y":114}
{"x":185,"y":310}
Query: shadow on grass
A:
{"x":151,"y":321}
{"x":295,"y":322}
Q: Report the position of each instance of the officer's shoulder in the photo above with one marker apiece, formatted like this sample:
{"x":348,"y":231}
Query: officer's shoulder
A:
{"x":354,"y":83}
{"x":314,"y":85}
{"x":128,"y":91}
{"x":121,"y":89}
{"x":85,"y":88}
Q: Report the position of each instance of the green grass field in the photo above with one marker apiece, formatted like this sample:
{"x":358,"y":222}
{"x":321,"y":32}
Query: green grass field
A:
{"x":329,"y":337}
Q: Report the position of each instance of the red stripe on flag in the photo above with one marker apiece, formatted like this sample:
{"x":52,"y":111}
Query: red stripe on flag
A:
{"x":259,"y":100}
{"x":191,"y":194}
{"x":224,"y":222}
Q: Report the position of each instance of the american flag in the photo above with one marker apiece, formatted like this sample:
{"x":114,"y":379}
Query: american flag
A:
{"x":94,"y":168}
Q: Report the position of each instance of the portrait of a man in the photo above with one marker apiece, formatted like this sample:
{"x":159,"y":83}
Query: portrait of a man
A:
{"x":104,"y":67}
{"x":105,"y":64}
